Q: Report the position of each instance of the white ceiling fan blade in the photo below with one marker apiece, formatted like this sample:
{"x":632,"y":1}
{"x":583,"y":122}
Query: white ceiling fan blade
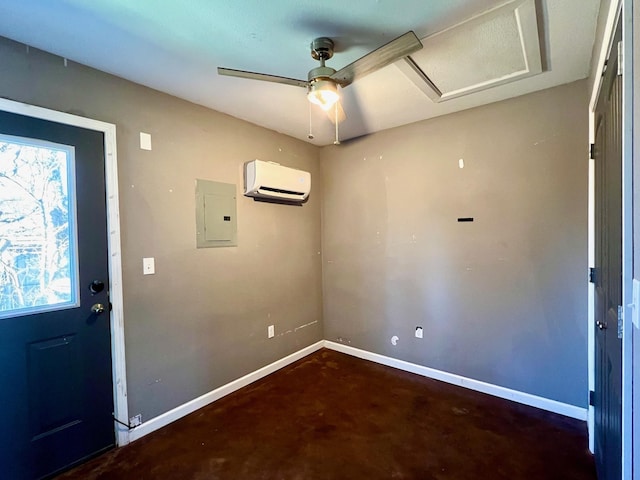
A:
{"x":339,"y":115}
{"x":381,"y":57}
{"x":262,"y":76}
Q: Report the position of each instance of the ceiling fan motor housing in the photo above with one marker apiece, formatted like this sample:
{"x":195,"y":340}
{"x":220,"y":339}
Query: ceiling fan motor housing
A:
{"x":320,"y":73}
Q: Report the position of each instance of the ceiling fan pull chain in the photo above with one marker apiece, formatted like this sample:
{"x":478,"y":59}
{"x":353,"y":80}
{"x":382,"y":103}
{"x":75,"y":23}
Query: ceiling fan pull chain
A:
{"x":310,"y":135}
{"x":337,"y":140}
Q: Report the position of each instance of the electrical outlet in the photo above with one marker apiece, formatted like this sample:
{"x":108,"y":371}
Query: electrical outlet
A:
{"x":148,"y":266}
{"x":418,"y":332}
{"x":271,"y":331}
{"x":135,"y":421}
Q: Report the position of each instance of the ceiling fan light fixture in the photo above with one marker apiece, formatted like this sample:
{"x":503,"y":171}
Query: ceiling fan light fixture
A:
{"x":323,"y":93}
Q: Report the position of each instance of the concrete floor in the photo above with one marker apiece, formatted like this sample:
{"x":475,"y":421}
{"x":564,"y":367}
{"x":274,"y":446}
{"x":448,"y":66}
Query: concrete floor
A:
{"x":332,"y":416}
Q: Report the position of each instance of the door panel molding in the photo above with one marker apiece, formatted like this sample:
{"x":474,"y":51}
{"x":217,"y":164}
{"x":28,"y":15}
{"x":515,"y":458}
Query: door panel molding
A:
{"x":121,"y":410}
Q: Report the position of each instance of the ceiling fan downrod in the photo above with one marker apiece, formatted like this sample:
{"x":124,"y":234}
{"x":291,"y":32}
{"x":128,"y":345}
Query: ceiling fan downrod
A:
{"x":321,"y":50}
{"x":321,"y":88}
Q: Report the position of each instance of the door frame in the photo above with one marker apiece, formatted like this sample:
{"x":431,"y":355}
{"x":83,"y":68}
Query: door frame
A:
{"x":618,"y":10}
{"x":121,"y":410}
{"x":629,"y":303}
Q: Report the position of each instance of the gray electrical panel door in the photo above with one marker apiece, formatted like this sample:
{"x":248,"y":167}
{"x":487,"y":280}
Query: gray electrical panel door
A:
{"x":216,"y":223}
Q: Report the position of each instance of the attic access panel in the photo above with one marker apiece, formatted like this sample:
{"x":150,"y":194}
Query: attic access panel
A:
{"x":497,"y":47}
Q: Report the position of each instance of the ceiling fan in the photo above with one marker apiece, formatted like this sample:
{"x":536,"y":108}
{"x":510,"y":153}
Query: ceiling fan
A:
{"x":322,"y":82}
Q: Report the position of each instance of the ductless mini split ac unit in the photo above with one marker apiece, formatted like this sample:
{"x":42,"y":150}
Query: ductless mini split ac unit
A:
{"x":271,"y":181}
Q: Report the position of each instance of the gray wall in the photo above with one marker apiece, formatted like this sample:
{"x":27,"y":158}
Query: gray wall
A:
{"x":503,"y":299}
{"x":201,"y":321}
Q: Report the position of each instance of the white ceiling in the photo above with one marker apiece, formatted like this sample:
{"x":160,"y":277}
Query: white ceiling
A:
{"x":175,"y":46}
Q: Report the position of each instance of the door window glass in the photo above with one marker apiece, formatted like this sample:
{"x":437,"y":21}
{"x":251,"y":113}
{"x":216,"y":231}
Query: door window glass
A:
{"x":38,"y":248}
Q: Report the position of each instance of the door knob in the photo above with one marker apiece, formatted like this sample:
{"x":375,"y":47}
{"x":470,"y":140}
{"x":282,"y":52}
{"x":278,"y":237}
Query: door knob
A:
{"x":601,"y":325}
{"x":97,"y":308}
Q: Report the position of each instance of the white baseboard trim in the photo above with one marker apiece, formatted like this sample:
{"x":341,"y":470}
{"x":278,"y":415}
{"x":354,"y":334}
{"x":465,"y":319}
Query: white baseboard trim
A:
{"x":193,"y":405}
{"x":495,"y":390}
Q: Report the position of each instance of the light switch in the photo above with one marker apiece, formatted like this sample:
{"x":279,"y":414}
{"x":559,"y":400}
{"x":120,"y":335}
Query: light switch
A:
{"x":148,"y":266}
{"x":145,"y":141}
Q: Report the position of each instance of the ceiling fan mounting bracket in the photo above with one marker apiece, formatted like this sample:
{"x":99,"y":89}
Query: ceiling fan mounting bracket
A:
{"x":322,"y":48}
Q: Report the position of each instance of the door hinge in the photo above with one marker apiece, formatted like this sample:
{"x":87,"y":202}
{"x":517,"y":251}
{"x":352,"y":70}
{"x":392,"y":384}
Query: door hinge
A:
{"x":592,"y":151}
{"x":592,"y":275}
{"x":592,"y":398}
{"x":620,"y":59}
{"x":620,"y":320}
